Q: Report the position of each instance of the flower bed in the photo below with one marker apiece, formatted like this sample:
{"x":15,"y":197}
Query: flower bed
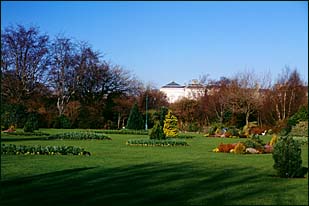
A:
{"x":79,"y":136}
{"x":240,"y":148}
{"x":12,"y":149}
{"x":154,"y":142}
{"x":253,"y":145}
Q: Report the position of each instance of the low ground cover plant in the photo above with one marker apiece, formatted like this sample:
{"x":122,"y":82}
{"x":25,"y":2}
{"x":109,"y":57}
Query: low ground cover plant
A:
{"x":156,"y":142}
{"x":79,"y":136}
{"x":12,"y":149}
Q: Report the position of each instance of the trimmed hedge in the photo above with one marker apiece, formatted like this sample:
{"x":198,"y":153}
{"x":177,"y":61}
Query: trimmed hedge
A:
{"x":79,"y":136}
{"x":12,"y":149}
{"x":155,"y":142}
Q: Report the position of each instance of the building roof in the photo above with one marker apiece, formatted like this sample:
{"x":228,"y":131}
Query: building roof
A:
{"x":197,"y":86}
{"x":173,"y":85}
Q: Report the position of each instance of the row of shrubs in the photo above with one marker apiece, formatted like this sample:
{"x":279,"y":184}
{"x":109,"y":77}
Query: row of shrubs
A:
{"x":124,"y":131}
{"x":79,"y":136}
{"x":42,"y":150}
{"x":156,"y":142}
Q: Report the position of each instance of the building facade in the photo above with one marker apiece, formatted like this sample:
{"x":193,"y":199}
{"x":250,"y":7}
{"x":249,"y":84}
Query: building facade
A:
{"x":175,"y":92}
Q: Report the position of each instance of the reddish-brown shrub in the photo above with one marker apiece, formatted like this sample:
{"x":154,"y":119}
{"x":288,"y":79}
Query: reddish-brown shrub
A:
{"x":226,"y":147}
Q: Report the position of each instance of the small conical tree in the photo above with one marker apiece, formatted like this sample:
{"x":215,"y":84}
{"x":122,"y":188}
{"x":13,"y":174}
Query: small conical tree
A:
{"x":135,"y":120}
{"x":170,"y":127}
{"x":157,"y":132}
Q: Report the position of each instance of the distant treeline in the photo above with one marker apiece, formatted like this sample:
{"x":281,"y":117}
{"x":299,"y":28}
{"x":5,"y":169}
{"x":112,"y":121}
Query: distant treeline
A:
{"x":64,"y":83}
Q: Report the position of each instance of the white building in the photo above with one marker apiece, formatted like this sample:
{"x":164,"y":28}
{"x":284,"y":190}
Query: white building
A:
{"x":175,"y":92}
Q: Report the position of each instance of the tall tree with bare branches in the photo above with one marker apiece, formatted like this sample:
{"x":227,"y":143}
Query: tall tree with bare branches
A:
{"x":25,"y":58}
{"x":63,"y":63}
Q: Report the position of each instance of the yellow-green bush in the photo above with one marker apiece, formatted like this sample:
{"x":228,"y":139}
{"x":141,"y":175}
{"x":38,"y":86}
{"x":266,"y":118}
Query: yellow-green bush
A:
{"x":240,"y":148}
{"x":170,"y":127}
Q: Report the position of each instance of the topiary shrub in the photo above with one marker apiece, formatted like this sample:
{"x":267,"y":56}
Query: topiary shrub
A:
{"x":287,"y":157}
{"x":157,"y":132}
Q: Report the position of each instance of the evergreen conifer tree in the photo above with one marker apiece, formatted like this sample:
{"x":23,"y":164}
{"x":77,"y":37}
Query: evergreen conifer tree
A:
{"x":157,"y":132}
{"x":170,"y":127}
{"x":135,"y":120}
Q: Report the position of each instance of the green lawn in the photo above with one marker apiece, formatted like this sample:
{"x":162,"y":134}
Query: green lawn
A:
{"x":117,"y":174}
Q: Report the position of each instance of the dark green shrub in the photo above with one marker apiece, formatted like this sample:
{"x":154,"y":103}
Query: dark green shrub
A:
{"x":62,"y":122}
{"x":157,"y":132}
{"x":33,"y":118}
{"x":234,"y":131}
{"x":287,"y":157}
{"x":300,"y":115}
{"x":90,"y":117}
{"x":249,"y":143}
{"x":135,"y":120}
{"x":212,"y":130}
{"x":13,"y":114}
{"x":257,"y":139}
{"x":193,"y":127}
{"x":163,"y":113}
{"x":29,"y":126}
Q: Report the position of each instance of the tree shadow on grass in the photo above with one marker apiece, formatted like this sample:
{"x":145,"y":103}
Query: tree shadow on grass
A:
{"x":144,"y":184}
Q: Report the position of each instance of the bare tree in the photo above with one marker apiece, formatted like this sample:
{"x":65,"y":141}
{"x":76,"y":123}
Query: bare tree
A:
{"x":217,"y":98}
{"x":288,"y":94}
{"x":24,"y":51}
{"x":62,"y":70}
{"x":244,"y":94}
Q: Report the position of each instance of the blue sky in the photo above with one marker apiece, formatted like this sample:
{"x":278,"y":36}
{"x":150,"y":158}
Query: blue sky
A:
{"x":161,"y":42}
